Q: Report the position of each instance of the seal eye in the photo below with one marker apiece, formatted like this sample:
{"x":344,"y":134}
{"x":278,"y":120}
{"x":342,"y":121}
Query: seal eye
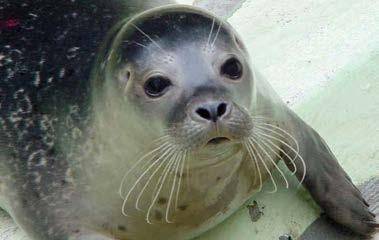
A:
{"x":232,"y":69}
{"x":156,"y":86}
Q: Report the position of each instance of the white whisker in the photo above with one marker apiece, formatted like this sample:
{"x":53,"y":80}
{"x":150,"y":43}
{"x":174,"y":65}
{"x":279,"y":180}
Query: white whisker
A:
{"x":163,"y":138}
{"x":140,"y":177}
{"x":282,"y":130}
{"x":160,"y":148}
{"x":140,"y":44}
{"x":161,"y":183}
{"x":271,"y":159}
{"x":218,"y":32}
{"x":261,"y":118}
{"x":210,"y":33}
{"x":292,"y":149}
{"x":165,"y":146}
{"x":146,"y":35}
{"x":265,"y":166}
{"x":175,"y":172}
{"x":188,"y":174}
{"x":180,"y":178}
{"x":263,"y":138}
{"x":250,"y":151}
{"x":166,"y":168}
{"x":150,"y":178}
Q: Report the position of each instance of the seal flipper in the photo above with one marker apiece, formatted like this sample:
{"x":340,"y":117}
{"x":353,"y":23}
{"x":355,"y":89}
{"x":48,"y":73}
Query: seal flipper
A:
{"x":328,"y":183}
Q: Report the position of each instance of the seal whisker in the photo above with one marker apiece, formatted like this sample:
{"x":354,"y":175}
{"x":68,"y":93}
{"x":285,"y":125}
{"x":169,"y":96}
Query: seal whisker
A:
{"x":271,"y":159}
{"x":238,"y":126}
{"x":210,"y":33}
{"x":166,"y":168}
{"x":161,"y":181}
{"x":188,"y":173}
{"x":161,"y":139}
{"x":282,"y":130}
{"x":235,"y":121}
{"x":151,"y":177}
{"x":136,"y":164}
{"x":142,"y":175}
{"x":162,"y":173}
{"x":284,"y":137}
{"x":141,"y":45}
{"x":146,"y":35}
{"x":271,"y":130}
{"x":165,"y":146}
{"x":292,"y":149}
{"x":280,"y":150}
{"x":251,"y":140}
{"x":218,"y":32}
{"x":184,"y":158}
{"x":175,"y":171}
{"x":254,"y":160}
{"x":262,"y":117}
{"x":165,"y":137}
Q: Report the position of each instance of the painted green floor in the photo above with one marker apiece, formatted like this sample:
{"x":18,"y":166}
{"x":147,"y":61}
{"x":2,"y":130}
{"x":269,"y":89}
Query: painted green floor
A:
{"x":322,"y":57}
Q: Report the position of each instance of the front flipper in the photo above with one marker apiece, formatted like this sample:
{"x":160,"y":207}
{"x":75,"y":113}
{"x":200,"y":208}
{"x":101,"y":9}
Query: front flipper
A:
{"x":327,"y":182}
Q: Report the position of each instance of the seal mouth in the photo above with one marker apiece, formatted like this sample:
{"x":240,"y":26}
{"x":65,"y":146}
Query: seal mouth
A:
{"x":218,"y":140}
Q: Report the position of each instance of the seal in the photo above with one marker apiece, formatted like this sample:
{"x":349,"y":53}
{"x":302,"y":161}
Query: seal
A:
{"x":122,"y":124}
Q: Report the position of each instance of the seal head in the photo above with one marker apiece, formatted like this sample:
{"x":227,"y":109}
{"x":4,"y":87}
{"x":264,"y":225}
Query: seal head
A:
{"x":180,"y":80}
{"x":184,"y":70}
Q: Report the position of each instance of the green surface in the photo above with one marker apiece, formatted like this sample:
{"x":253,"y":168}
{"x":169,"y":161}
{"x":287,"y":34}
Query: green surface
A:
{"x":347,"y":115}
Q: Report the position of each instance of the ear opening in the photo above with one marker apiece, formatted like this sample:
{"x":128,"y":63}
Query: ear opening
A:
{"x":124,"y":76}
{"x":239,"y":43}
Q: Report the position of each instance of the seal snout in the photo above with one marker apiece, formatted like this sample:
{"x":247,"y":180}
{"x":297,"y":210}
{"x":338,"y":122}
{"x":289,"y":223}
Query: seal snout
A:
{"x":213,"y":121}
{"x":211,"y":111}
{"x":213,"y":115}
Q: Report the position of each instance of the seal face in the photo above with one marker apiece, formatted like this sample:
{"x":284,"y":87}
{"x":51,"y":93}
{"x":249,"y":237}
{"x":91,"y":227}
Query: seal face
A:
{"x":173,"y":132}
{"x":182,"y":80}
{"x":193,"y":76}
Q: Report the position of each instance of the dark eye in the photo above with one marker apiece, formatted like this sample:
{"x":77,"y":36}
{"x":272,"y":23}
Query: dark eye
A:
{"x":232,"y":69}
{"x":156,"y":86}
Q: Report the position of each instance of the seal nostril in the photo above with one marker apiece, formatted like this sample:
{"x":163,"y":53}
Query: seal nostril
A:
{"x":221,"y":110}
{"x":204,"y":113}
{"x":213,"y":111}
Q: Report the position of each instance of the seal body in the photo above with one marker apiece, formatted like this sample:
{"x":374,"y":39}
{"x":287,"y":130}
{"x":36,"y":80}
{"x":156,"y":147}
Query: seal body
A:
{"x":124,"y":125}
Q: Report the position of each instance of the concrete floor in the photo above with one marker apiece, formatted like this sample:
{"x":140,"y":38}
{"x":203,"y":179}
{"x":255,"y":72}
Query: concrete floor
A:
{"x":322,"y":56}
